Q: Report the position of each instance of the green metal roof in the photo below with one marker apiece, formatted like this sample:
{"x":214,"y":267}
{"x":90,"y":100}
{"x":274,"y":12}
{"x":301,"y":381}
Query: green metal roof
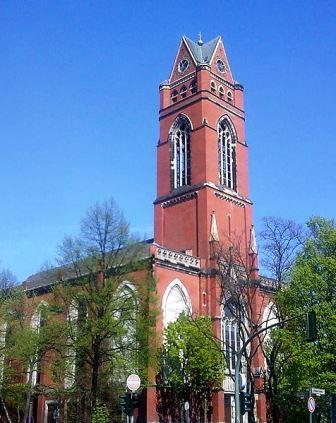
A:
{"x":202,"y":53}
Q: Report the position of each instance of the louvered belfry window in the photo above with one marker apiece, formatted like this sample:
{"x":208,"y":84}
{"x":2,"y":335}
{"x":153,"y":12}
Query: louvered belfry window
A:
{"x":180,"y":153}
{"x":226,"y":155}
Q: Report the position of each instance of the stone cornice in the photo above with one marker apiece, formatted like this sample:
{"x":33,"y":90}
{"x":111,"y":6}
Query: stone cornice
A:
{"x":230,"y":199}
{"x":182,"y":80}
{"x":180,"y":199}
{"x":177,"y":258}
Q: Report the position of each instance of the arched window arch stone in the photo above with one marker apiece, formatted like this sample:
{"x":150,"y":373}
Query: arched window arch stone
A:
{"x":180,"y":169}
{"x":175,"y":301}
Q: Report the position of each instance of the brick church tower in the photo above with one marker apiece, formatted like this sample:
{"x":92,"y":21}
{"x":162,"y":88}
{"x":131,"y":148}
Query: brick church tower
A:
{"x":202,"y":188}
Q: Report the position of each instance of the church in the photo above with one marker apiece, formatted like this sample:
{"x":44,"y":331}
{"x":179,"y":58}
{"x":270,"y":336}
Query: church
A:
{"x":202,"y":201}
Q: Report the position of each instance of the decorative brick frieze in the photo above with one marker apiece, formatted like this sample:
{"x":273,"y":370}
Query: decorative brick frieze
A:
{"x":230,"y":199}
{"x":178,"y":258}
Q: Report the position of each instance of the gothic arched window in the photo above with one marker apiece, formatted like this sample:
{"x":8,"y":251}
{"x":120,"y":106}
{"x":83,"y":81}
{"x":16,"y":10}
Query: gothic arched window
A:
{"x":180,"y":153}
{"x":37,"y":321}
{"x":230,"y":335}
{"x":175,"y":302}
{"x":226,"y":154}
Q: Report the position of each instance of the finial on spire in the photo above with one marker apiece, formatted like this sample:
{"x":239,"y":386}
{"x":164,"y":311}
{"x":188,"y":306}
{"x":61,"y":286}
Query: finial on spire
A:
{"x":200,"y":41}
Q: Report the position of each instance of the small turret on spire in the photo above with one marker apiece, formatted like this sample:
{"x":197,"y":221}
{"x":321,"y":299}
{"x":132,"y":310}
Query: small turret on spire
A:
{"x":253,"y":242}
{"x":214,"y":237}
{"x":200,"y":41}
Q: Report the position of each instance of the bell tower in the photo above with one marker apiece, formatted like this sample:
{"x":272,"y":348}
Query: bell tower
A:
{"x":202,"y":166}
{"x":202,"y":198}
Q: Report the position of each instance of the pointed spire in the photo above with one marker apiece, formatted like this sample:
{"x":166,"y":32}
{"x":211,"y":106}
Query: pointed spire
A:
{"x":200,"y":41}
{"x":213,"y":229}
{"x":253,"y":242}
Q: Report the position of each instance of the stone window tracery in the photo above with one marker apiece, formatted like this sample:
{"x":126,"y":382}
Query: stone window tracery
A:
{"x":230,"y":335}
{"x":175,"y":302}
{"x":226,"y":154}
{"x":180,"y":153}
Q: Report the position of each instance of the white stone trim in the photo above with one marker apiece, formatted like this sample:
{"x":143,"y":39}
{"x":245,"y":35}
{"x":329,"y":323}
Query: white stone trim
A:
{"x":185,"y":298}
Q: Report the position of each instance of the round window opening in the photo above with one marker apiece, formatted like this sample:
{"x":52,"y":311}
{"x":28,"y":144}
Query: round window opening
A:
{"x":221,"y":66}
{"x":183,"y":65}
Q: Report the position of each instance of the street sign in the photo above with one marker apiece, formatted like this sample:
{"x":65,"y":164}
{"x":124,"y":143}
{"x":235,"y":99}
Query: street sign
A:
{"x":133,"y":382}
{"x":318,"y":391}
{"x":186,"y":405}
{"x":311,"y":404}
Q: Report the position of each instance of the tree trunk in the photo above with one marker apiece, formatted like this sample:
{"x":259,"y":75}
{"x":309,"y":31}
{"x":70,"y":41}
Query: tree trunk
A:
{"x":29,"y":396}
{"x":5,"y":408}
{"x":94,"y":378}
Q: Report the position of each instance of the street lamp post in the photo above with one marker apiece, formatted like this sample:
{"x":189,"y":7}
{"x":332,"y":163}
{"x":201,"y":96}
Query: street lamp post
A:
{"x":239,"y":358}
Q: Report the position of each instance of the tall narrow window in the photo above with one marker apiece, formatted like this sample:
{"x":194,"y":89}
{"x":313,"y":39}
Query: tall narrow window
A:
{"x":183,"y":92}
{"x":37,"y":322}
{"x":174,"y":96}
{"x":226,"y":154}
{"x":180,"y":152}
{"x":230,"y":335}
{"x":193,"y":86}
{"x":213,"y":87}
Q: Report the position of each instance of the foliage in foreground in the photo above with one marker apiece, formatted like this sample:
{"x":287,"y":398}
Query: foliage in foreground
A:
{"x":192,"y":366}
{"x":312,"y":287}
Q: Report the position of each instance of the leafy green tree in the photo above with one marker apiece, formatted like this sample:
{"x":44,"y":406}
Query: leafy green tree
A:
{"x":104,"y":323}
{"x":94,"y":329}
{"x":100,"y":414}
{"x":312,"y":287}
{"x":192,"y":365}
{"x":280,"y":242}
{"x":24,"y":344}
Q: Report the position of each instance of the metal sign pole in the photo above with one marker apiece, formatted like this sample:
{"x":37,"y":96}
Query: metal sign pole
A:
{"x":310,"y":414}
{"x":131,"y":419}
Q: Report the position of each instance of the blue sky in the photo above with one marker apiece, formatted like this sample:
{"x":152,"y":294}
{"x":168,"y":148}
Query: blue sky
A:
{"x":79,"y":109}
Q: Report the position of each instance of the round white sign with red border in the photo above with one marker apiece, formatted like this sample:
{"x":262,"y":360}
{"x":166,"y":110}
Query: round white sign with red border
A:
{"x":133,"y":382}
{"x":311,"y":404}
